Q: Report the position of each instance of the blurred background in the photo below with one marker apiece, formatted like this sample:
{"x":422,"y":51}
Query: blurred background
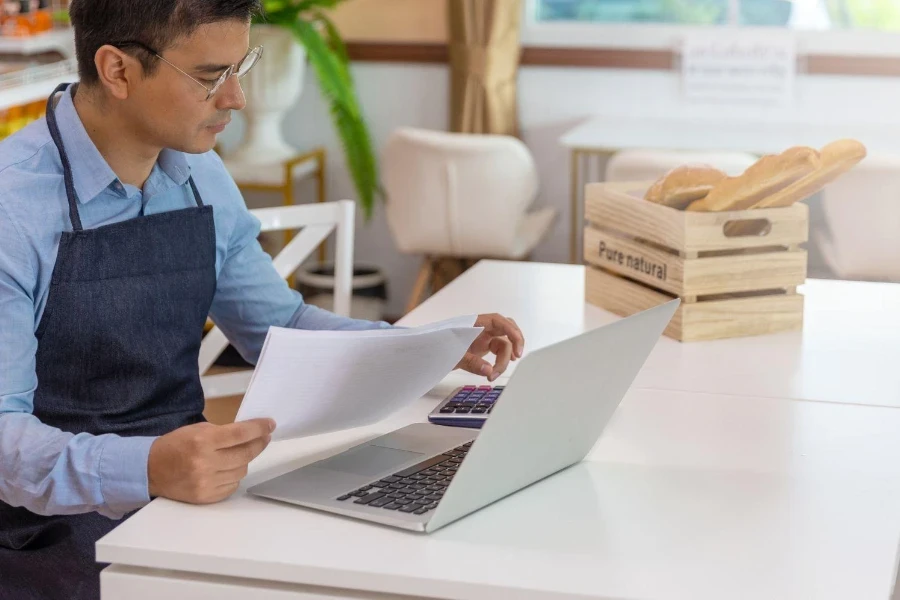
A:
{"x":466,"y":129}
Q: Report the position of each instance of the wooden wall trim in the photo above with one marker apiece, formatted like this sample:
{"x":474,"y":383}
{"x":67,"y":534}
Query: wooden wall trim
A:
{"x":598,"y":58}
{"x":612,"y":58}
{"x":398,"y":52}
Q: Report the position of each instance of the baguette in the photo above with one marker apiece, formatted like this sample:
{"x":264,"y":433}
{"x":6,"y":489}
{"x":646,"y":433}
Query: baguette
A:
{"x":769,"y":175}
{"x":838,"y":157}
{"x":685,"y":184}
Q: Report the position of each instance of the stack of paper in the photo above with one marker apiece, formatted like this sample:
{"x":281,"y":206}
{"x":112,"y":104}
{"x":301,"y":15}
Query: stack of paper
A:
{"x":313,"y":382}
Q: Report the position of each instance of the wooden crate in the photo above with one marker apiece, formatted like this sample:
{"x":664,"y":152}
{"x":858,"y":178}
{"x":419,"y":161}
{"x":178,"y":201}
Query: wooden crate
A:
{"x":736,"y":272}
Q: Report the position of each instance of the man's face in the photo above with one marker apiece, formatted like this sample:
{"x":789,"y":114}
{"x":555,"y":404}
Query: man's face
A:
{"x":170,"y":110}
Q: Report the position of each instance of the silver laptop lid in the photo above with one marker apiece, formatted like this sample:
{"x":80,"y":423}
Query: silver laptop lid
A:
{"x":554,"y":408}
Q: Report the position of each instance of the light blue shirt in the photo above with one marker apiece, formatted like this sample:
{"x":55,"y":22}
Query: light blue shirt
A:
{"x":42,"y":468}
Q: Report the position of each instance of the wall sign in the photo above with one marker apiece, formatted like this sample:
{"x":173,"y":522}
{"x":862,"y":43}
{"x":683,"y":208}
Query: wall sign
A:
{"x":731,"y":66}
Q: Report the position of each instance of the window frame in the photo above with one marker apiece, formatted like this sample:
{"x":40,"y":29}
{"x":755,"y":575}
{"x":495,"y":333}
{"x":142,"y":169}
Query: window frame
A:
{"x":668,"y":37}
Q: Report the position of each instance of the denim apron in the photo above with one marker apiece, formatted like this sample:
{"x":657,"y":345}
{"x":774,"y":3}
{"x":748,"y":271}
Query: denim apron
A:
{"x":118,"y":346}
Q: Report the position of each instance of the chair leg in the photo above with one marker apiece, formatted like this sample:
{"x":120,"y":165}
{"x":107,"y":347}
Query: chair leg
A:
{"x":422,"y":280}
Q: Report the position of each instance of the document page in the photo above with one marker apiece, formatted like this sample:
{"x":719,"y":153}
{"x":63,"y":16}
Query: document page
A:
{"x":313,"y":382}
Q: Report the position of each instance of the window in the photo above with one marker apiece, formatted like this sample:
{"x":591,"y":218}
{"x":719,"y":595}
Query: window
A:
{"x":881,"y":15}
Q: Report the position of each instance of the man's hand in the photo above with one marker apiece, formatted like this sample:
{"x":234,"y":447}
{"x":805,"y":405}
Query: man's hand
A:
{"x":501,"y":336}
{"x":205,"y":463}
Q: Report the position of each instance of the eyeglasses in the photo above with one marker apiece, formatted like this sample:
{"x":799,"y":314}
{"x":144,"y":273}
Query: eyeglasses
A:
{"x":240,"y":69}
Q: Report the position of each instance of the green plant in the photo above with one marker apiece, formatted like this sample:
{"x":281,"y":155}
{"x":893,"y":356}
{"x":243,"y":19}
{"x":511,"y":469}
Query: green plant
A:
{"x":328,"y":57}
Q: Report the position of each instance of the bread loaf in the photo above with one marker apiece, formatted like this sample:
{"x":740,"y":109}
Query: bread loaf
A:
{"x":685,"y":184}
{"x":837,"y":158}
{"x":769,"y":175}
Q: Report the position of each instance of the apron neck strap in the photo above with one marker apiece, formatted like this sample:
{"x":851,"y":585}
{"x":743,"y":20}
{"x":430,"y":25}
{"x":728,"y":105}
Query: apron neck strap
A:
{"x":197,"y":198}
{"x":71,"y":196}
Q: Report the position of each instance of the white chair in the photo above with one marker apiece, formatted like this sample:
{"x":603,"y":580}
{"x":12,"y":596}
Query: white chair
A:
{"x":316,"y":222}
{"x":862,"y":214}
{"x":649,"y":165}
{"x":461,"y":196}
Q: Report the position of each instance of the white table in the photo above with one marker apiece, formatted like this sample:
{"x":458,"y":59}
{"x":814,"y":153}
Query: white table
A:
{"x":593,"y":141}
{"x":687,"y":494}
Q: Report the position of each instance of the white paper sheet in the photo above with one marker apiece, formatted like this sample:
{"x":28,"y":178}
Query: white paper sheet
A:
{"x":313,"y":382}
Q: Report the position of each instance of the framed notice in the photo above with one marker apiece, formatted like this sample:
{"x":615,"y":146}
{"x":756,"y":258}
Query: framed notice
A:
{"x":731,"y":66}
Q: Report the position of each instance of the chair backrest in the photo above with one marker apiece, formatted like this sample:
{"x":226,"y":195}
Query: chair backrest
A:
{"x":315,"y":222}
{"x":454,"y":194}
{"x":862,"y":213}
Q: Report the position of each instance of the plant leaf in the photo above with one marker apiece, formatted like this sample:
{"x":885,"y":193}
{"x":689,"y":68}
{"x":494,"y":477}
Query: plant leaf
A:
{"x":338,"y":89}
{"x":334,"y":39}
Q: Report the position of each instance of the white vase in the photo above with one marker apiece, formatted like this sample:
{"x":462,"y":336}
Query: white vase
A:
{"x":271,"y":88}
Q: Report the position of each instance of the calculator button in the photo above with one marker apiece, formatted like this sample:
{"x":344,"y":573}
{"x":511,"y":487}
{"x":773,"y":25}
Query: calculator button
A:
{"x":463,"y":409}
{"x":486,"y":388}
{"x":468,"y":388}
{"x":448,"y":409}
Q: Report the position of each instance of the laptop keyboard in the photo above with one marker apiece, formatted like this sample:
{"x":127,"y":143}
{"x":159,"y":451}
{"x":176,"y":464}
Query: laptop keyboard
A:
{"x":416,"y":489}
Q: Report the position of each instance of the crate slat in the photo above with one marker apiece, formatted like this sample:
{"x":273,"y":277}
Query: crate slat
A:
{"x":694,"y":276}
{"x":621,"y":207}
{"x":712,"y":320}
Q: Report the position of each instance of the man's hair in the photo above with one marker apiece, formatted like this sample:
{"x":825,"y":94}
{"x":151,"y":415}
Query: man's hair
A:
{"x":155,"y":23}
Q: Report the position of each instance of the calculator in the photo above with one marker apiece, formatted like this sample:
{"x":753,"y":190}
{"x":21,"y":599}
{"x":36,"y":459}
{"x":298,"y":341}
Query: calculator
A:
{"x":467,"y":406}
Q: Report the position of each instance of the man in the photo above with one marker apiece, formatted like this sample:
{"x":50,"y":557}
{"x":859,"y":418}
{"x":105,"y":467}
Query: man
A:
{"x":120,"y":231}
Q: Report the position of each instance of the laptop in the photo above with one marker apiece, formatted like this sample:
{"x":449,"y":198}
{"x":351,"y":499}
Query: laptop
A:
{"x":424,"y":476}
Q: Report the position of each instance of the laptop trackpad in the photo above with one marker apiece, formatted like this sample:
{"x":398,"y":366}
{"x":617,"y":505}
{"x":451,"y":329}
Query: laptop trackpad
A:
{"x":368,"y":460}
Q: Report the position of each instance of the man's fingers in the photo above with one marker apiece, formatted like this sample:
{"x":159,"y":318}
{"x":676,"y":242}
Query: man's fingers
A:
{"x":236,"y":457}
{"x":237,"y":434}
{"x":475,"y":364}
{"x":224,"y":491}
{"x":232,"y":476}
{"x":502,"y":349}
{"x":498,"y":325}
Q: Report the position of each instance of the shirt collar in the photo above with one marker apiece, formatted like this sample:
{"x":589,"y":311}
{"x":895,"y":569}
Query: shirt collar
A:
{"x":90,"y":171}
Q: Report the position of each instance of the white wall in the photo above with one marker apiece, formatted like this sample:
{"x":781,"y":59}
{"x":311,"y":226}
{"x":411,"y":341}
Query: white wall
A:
{"x":552,"y":100}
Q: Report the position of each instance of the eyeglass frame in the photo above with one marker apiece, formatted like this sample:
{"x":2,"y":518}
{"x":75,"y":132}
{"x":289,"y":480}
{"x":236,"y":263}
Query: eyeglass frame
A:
{"x":232,"y":70}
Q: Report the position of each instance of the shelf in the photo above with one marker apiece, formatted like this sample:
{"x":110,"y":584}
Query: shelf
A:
{"x":59,"y":40}
{"x":35,"y":83}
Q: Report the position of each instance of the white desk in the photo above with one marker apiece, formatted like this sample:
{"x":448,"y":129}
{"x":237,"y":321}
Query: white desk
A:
{"x":593,"y":141}
{"x":847,"y":352}
{"x":687,"y":495}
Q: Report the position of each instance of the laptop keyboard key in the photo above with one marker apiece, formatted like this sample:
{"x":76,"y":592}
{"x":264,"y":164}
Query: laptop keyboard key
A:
{"x":421,"y":466}
{"x":380,"y":502}
{"x":369,"y":498}
{"x":392,"y":506}
{"x":410,"y":508}
{"x":345,"y":497}
{"x":421,"y":511}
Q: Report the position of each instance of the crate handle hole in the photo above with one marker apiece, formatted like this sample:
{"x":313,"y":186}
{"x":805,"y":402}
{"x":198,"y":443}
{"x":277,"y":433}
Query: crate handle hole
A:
{"x":748,"y":228}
